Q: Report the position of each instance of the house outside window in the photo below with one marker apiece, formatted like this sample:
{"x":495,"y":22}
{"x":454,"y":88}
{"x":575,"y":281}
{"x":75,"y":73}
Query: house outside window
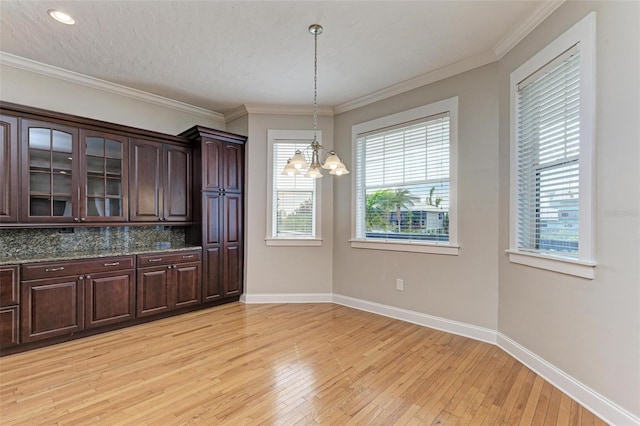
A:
{"x":294,"y":213}
{"x":405,"y":180}
{"x":552,"y":116}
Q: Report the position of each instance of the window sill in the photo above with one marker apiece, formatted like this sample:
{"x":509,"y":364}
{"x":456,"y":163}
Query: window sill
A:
{"x":293,"y":242}
{"x":446,"y":249}
{"x":578,"y":268}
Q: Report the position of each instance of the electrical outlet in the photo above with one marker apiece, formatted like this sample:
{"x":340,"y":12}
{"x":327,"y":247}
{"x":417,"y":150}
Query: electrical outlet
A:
{"x":399,"y":284}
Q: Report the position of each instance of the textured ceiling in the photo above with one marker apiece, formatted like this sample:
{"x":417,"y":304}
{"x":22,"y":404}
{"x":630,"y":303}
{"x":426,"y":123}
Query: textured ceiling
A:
{"x":221,"y":54}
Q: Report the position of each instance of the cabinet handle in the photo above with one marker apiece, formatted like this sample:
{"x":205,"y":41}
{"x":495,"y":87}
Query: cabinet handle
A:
{"x":54,"y":269}
{"x":187,"y":257}
{"x":155,"y":260}
{"x":112,"y":264}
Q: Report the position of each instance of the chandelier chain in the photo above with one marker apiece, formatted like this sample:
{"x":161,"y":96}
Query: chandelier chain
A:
{"x":315,"y":86}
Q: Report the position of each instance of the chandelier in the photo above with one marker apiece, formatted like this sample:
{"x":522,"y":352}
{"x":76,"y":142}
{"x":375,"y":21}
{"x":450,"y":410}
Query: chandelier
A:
{"x":318,"y":157}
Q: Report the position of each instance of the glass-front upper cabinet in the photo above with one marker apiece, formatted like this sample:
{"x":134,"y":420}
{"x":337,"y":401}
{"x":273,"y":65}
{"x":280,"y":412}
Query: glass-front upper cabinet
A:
{"x":49,"y":178}
{"x":104,"y":179}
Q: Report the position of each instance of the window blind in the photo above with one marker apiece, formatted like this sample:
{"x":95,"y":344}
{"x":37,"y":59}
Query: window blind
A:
{"x":548,"y":157}
{"x":402,"y":181}
{"x":293,"y":196}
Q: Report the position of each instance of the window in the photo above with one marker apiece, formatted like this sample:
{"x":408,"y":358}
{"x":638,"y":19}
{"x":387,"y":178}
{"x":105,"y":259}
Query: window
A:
{"x":293,"y":216}
{"x":405,"y":180}
{"x":552,"y":98}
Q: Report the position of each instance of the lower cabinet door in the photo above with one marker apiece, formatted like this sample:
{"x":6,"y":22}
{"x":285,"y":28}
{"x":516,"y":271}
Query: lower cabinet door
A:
{"x":9,"y":326}
{"x":187,"y":278}
{"x":154,"y":292}
{"x":212,"y":277}
{"x":51,"y":307}
{"x":109,"y":298}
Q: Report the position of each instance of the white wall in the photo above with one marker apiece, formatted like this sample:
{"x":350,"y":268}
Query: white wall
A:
{"x":464,"y":287}
{"x":284,"y":269}
{"x":590,"y":329}
{"x":41,"y":91}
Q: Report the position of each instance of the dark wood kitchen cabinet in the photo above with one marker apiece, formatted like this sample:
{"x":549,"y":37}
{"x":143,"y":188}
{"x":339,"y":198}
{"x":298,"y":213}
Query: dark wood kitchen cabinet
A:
{"x":110,"y":298}
{"x":8,"y":169}
{"x":62,"y":298}
{"x":9,"y":306}
{"x":219,"y":177}
{"x":160,"y":182}
{"x":50,"y":173}
{"x":168,"y":281}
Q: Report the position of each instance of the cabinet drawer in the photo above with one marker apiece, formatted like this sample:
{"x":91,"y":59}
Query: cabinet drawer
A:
{"x":9,"y":294}
{"x":168,"y":257}
{"x":76,"y":267}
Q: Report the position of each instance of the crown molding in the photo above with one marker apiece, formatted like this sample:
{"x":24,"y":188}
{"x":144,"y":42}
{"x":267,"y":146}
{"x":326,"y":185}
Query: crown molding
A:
{"x":419,"y":81}
{"x":106,"y":86}
{"x":515,"y":36}
{"x":235,"y":113}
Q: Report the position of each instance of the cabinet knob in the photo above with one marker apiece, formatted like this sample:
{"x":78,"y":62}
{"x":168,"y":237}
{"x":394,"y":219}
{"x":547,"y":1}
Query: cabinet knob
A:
{"x":81,"y":277}
{"x":75,"y":219}
{"x":88,"y":277}
{"x":83,"y":219}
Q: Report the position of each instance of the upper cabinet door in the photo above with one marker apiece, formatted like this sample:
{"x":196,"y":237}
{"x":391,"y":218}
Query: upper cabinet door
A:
{"x":50,"y":189}
{"x":177,"y":183}
{"x":104,"y":186}
{"x":145,"y":162}
{"x":8,"y":169}
{"x":232,"y":167}
{"x":212,"y":158}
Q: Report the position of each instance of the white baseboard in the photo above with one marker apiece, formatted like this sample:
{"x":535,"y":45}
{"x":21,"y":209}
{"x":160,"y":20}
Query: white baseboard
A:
{"x":587,"y":397}
{"x":443,"y":324}
{"x":287,"y":298}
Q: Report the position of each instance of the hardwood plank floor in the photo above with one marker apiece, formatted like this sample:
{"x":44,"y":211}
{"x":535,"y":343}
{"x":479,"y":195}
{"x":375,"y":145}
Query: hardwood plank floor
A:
{"x":242,"y":364}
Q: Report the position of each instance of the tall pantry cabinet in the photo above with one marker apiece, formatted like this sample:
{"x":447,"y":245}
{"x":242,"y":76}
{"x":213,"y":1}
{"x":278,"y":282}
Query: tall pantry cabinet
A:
{"x":218,"y":180}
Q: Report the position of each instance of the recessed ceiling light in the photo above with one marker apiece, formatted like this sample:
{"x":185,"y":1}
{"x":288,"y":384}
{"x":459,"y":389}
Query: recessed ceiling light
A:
{"x":61,"y":17}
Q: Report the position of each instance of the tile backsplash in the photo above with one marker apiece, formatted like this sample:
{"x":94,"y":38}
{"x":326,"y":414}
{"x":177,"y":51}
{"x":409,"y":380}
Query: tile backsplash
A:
{"x":45,"y":241}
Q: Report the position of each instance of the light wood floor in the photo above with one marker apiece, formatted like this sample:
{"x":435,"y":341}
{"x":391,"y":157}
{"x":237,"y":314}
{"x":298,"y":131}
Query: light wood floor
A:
{"x":278,"y":364}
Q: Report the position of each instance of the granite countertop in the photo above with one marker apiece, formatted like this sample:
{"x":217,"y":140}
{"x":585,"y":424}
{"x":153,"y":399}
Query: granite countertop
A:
{"x":19,"y":258}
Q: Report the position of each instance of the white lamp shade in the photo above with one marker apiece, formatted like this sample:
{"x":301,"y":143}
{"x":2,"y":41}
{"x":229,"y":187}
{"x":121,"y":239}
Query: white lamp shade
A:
{"x":332,"y":162}
{"x":340,"y":170}
{"x":290,"y":170}
{"x":298,"y":161}
{"x":314,"y":172}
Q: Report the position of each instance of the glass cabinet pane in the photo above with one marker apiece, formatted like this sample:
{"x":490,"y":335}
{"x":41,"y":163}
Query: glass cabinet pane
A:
{"x":62,"y":184}
{"x":95,"y":146}
{"x":62,"y":142}
{"x":39,"y":138}
{"x":114,"y":187}
{"x":95,"y":166}
{"x":114,"y":207}
{"x":113,"y":149}
{"x":95,"y":206}
{"x":62,"y":206}
{"x":39,"y":205}
{"x":95,"y":186}
{"x":114,"y":168}
{"x":39,"y":160}
{"x":40,"y":182}
{"x":61,"y":162}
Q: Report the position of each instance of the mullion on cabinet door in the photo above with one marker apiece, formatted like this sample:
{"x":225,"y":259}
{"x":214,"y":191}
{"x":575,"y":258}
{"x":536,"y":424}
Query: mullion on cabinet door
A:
{"x":104,"y":189}
{"x":49,"y":177}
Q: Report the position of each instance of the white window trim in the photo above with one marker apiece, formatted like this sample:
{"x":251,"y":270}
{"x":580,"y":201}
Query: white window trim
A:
{"x":451,"y":247}
{"x":583,"y":34}
{"x":270,"y":240}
